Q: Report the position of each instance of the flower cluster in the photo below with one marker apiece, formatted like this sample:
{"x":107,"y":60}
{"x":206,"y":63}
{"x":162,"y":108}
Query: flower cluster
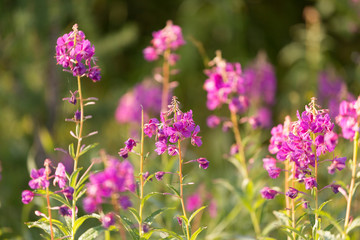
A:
{"x":116,"y":179}
{"x":144,"y":94}
{"x":228,"y":84}
{"x":348,"y":118}
{"x":76,"y":55}
{"x":40,"y":179}
{"x":302,"y":142}
{"x":170,"y":38}
{"x":171,"y":130}
{"x":313,"y":128}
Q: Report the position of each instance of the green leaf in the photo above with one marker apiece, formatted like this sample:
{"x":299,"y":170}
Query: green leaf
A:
{"x":61,"y":226}
{"x":197,"y":232}
{"x":195,"y":213}
{"x":83,"y":179}
{"x":129,"y":226}
{"x":329,"y":227}
{"x":323,"y":204}
{"x":296,"y":231}
{"x":147,"y":235}
{"x":92,"y":233}
{"x":71,"y":150}
{"x":82,"y":219}
{"x":60,"y":199}
{"x":77,"y":129}
{"x":331,"y":220}
{"x":149,"y":220}
{"x":44,"y":225}
{"x":174,"y":190}
{"x":354,"y":224}
{"x":87,"y":148}
{"x":135,"y":214}
{"x":74,"y":177}
{"x":184,"y":219}
{"x":284,"y":219}
{"x":149,"y":195}
{"x":80,"y":191}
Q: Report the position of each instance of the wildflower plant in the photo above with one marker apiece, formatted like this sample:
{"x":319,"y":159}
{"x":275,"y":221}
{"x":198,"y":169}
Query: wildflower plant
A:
{"x":173,"y":128}
{"x":299,"y":146}
{"x":240,"y":92}
{"x":77,"y":56}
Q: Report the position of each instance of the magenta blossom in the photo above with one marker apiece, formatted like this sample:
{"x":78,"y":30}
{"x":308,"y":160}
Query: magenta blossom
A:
{"x":60,"y":176}
{"x":39,"y":179}
{"x":116,"y":179}
{"x":268,"y":193}
{"x":168,"y":38}
{"x":347,"y":119}
{"x":76,"y":55}
{"x":193,"y":202}
{"x":27,"y":196}
{"x":107,"y":220}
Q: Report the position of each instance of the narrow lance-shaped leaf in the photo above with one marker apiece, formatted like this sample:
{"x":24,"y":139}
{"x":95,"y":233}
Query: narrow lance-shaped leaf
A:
{"x":195,"y":213}
{"x":197,"y":232}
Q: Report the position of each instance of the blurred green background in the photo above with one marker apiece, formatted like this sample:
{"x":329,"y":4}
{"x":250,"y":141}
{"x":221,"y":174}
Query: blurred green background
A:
{"x":300,"y":38}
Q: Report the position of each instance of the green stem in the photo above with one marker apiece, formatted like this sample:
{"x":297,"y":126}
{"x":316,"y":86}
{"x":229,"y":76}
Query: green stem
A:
{"x":141,"y":174}
{"x":77,"y":154}
{"x":107,"y":235}
{"x":293,"y":220}
{"x":182,"y":190}
{"x":255,"y":223}
{"x":352,"y":183}
{"x":48,"y":171}
{"x":238,"y":140}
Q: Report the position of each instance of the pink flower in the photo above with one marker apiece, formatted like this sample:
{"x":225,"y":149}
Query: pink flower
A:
{"x":193,"y":202}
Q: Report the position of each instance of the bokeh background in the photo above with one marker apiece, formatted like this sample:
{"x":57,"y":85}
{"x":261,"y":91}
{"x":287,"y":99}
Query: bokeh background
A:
{"x":300,"y":39}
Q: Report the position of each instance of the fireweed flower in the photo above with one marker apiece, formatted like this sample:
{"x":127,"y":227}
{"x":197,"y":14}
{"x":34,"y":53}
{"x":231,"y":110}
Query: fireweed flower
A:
{"x":76,"y":55}
{"x":310,"y":182}
{"x":27,"y":196}
{"x":171,"y":130}
{"x":108,"y":219}
{"x":337,"y":163}
{"x":347,"y":119}
{"x":65,"y":211}
{"x":116,"y":179}
{"x":129,"y":145}
{"x":268,"y":193}
{"x":60,"y":176}
{"x":228,"y":84}
{"x":296,"y":142}
{"x":292,"y":193}
{"x":38,"y":179}
{"x":169,"y":37}
{"x":72,"y":99}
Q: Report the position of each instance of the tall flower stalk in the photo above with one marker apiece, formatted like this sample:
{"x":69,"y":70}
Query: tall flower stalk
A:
{"x":307,"y":139}
{"x":76,"y":55}
{"x":175,"y":127}
{"x":141,"y":175}
{"x":164,"y":43}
